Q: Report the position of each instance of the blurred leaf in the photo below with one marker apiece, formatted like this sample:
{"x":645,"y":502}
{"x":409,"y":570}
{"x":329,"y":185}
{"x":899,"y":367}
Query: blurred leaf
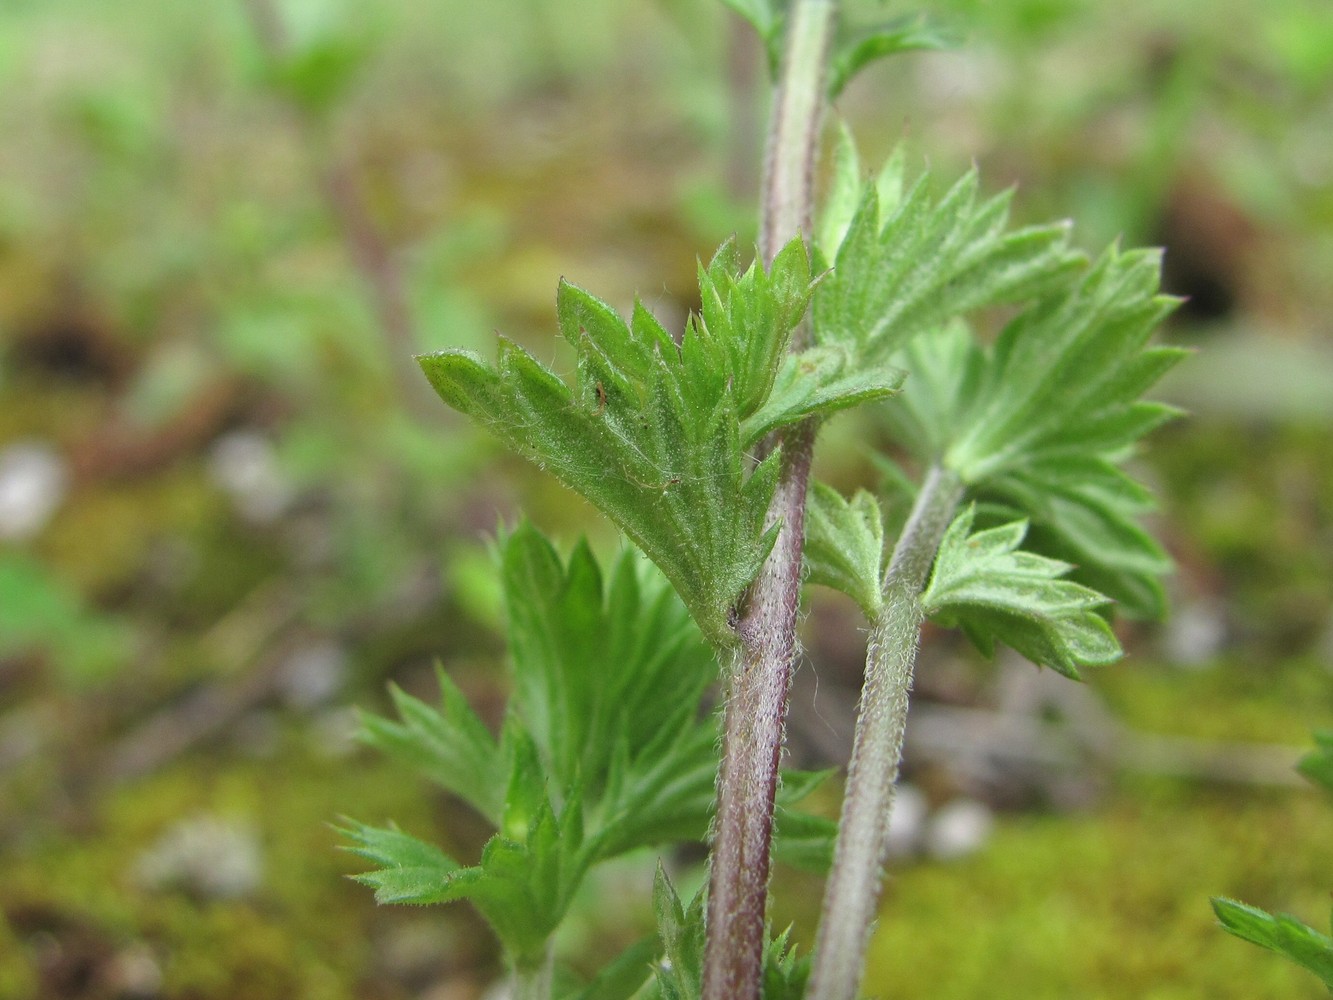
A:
{"x":910,"y":33}
{"x":321,"y":66}
{"x":40,"y":614}
{"x":766,"y":17}
{"x":625,"y":975}
{"x":1317,"y":765}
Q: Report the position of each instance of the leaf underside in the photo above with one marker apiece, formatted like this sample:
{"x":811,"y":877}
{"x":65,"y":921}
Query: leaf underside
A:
{"x":985,"y":584}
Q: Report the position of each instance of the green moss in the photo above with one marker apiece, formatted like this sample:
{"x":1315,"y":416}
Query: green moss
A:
{"x":1109,"y":906}
{"x":306,"y":933}
{"x":1238,"y":700}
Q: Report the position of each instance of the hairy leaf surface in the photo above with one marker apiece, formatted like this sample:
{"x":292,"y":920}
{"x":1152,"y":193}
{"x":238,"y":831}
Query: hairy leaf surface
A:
{"x":522,"y":887}
{"x":449,"y":745}
{"x":844,"y":545}
{"x":1038,"y":424}
{"x":650,"y":433}
{"x":908,"y":269}
{"x":983,"y":583}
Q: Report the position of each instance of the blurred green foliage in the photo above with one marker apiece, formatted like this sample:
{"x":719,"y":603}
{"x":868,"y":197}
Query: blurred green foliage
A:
{"x":175,"y":269}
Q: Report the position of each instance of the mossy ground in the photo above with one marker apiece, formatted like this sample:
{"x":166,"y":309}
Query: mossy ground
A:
{"x":157,"y":203}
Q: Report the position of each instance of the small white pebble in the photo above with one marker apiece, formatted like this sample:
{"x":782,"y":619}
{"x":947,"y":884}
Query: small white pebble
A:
{"x":958,"y":829}
{"x":1196,"y":634}
{"x":245,"y":465}
{"x":33,"y":479}
{"x":212,"y":857}
{"x":312,"y":675}
{"x":906,"y":821}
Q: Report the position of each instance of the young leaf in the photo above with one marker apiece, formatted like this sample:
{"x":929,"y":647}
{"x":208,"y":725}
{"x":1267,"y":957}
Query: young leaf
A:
{"x":411,"y":870}
{"x":753,"y":316}
{"x":983,"y":583}
{"x":1282,"y":933}
{"x":844,"y":545}
{"x":680,"y":970}
{"x":899,"y":272}
{"x":609,"y":679}
{"x":650,"y":434}
{"x":785,"y":973}
{"x":522,"y":888}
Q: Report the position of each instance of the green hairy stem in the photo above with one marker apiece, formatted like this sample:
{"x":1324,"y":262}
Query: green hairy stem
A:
{"x":760,"y":678}
{"x":852,"y":891}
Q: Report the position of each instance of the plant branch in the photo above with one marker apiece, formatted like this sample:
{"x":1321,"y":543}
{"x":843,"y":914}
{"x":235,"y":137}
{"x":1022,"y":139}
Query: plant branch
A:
{"x":852,"y":891}
{"x":760,"y":676}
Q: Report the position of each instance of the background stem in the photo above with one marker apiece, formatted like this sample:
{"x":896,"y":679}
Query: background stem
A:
{"x":761,"y":673}
{"x":852,"y":890}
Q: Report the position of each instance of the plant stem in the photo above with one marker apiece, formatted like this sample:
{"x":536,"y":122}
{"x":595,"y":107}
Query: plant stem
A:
{"x":761,"y":674}
{"x":852,"y":890}
{"x":534,"y":982}
{"x":793,"y":136}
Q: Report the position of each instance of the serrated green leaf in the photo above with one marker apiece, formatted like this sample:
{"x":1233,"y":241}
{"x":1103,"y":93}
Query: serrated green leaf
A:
{"x":522,"y":887}
{"x":679,"y":973}
{"x":609,"y":679}
{"x":650,"y":433}
{"x":1086,"y":511}
{"x":819,"y":381}
{"x":1068,"y":371}
{"x":785,"y":972}
{"x":913,"y":268}
{"x":411,"y":870}
{"x":983,"y":583}
{"x":914,"y":32}
{"x":1281,"y":933}
{"x":448,"y":745}
{"x":1040,"y":422}
{"x":844,"y":545}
